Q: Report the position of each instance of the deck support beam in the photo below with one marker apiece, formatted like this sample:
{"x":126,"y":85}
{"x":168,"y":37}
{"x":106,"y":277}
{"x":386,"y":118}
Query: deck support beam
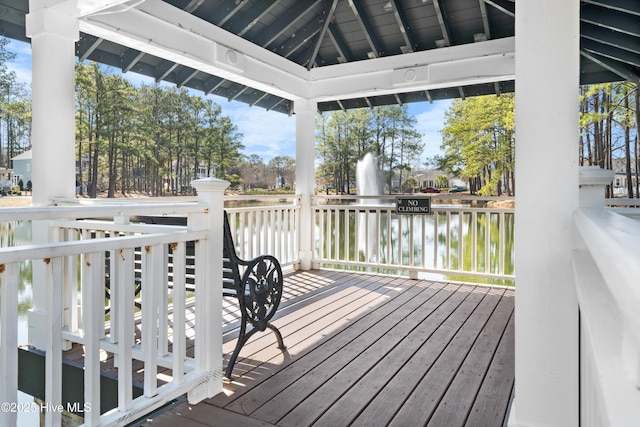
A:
{"x":546,"y":350}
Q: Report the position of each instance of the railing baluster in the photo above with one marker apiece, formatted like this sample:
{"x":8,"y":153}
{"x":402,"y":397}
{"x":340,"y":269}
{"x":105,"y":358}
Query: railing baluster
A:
{"x":329,"y":235}
{"x":163,"y":298}
{"x":474,"y":241}
{"x":488,"y":229}
{"x":436,"y":242}
{"x":150,"y":277}
{"x":53,"y":359}
{"x":124,"y":307}
{"x":179,"y":338}
{"x":448,"y":241}
{"x":501,"y":247}
{"x":93,"y":316}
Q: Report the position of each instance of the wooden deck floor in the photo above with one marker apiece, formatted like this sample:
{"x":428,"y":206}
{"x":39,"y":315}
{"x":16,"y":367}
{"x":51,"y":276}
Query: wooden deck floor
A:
{"x":369,"y":350}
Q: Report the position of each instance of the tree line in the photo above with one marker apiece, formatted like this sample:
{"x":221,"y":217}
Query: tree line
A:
{"x":15,"y":110}
{"x":344,"y":137}
{"x":478,"y":137}
{"x":155,"y":140}
{"x":609,"y":123}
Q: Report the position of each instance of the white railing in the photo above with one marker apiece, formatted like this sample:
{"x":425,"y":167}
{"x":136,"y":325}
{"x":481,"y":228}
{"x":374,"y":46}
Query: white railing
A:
{"x":74,"y":279}
{"x":606,"y":266}
{"x":266,"y":229}
{"x":459,"y":240}
{"x":86,"y":256}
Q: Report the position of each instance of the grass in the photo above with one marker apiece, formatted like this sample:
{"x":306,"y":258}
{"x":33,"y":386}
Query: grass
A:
{"x":15,"y":201}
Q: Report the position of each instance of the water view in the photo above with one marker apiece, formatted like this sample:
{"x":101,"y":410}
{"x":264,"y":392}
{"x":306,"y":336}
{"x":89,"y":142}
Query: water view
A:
{"x":18,"y":233}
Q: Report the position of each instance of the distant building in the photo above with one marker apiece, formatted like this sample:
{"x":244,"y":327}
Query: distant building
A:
{"x":22,"y":168}
{"x":5,"y":179}
{"x":620,"y":177}
{"x":428,"y":179}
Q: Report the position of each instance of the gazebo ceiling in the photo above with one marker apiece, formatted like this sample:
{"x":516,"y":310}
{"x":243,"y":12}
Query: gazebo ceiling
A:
{"x":320,"y":33}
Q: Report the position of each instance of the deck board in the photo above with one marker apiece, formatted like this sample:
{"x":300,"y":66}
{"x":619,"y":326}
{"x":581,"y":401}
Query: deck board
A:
{"x":369,"y":350}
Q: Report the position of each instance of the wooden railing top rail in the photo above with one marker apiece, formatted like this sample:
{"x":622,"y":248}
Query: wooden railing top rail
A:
{"x":61,"y":249}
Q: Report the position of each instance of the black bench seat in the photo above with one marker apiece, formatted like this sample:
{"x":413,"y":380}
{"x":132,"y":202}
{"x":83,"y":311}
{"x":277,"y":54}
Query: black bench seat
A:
{"x":257,"y":285}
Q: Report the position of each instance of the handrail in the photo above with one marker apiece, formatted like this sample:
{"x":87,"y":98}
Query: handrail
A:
{"x":98,"y":211}
{"x":606,"y":274}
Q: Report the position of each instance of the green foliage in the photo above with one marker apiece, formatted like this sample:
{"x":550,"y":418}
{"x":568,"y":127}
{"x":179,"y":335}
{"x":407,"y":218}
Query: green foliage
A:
{"x":442,"y":181}
{"x":409,"y":185}
{"x":15,"y":110}
{"x":344,"y":137}
{"x":478,"y":143}
{"x":149,"y":139}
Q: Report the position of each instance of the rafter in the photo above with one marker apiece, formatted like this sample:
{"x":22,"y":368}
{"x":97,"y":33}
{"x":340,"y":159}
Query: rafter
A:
{"x":443,"y":25}
{"x":428,"y":95}
{"x":485,"y":19}
{"x":338,"y":42}
{"x":193,"y":5}
{"x":610,"y":52}
{"x":253,"y":15}
{"x":185,"y":76}
{"x":298,"y":43}
{"x":163,"y":70}
{"x":504,"y":6}
{"x":369,"y":34}
{"x":405,"y":29}
{"x":233,"y":7}
{"x":327,"y":20}
{"x":237,"y":94}
{"x":610,"y":19}
{"x":626,"y":6}
{"x":259,"y":99}
{"x":278,"y":102}
{"x":619,"y":40}
{"x":614,"y":66}
{"x":213,"y":85}
{"x":87,"y":45}
{"x":285,"y":22}
{"x":130,"y":58}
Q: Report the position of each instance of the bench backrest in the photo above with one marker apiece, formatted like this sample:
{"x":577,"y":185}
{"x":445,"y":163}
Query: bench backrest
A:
{"x":230,"y":270}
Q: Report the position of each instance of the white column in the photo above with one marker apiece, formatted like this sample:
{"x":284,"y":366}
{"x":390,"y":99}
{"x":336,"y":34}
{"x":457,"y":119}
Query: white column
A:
{"x":53,"y":35}
{"x":208,"y":351}
{"x":547,"y":79}
{"x":305,"y":174}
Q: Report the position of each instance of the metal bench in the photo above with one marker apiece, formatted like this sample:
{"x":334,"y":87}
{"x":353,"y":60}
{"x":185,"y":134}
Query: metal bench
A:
{"x":259,"y":282}
{"x":257,"y":285}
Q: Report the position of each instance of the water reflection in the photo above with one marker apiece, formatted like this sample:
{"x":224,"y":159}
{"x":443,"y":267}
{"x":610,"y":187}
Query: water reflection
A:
{"x":467,"y":241}
{"x":18,"y":233}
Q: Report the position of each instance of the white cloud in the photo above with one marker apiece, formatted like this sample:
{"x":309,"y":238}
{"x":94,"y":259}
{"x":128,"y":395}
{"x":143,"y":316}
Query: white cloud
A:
{"x":265,"y":133}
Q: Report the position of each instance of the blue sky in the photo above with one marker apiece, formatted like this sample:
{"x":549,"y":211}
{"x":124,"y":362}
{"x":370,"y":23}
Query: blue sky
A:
{"x":267,"y":133}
